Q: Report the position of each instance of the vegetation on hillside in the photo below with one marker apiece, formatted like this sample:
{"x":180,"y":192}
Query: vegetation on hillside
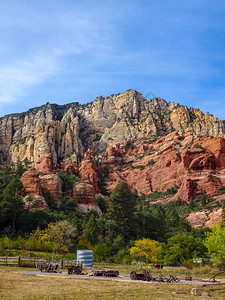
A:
{"x":132,"y":227}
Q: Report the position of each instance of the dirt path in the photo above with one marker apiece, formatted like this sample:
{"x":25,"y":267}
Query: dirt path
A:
{"x":119,"y":278}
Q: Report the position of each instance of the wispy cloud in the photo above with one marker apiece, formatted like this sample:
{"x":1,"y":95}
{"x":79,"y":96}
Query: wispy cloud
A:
{"x":17,"y":78}
{"x":55,"y":39}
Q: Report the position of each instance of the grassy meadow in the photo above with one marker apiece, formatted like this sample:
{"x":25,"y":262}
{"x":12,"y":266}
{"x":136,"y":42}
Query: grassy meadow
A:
{"x":21,"y":286}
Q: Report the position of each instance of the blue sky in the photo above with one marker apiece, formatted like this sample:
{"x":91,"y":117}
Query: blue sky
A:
{"x":66,"y":50}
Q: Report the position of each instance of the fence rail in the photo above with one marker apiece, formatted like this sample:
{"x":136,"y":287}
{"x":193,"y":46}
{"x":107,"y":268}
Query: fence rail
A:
{"x":9,"y":261}
{"x":34,"y":261}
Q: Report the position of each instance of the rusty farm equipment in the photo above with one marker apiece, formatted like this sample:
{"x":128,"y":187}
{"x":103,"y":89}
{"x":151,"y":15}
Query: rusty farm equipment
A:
{"x":106,"y":273}
{"x":48,"y":267}
{"x":76,"y":270}
{"x":146,"y":276}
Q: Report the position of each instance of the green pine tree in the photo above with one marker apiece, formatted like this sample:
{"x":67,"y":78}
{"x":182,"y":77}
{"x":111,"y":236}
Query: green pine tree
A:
{"x":122,"y":206}
{"x":11,"y":205}
{"x":91,"y":230}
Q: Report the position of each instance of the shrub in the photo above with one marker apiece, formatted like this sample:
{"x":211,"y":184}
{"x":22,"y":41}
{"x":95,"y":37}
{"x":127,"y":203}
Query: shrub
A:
{"x":102,"y":252}
{"x":8,"y":243}
{"x":129,"y":145}
{"x":151,"y":162}
{"x":123,"y":257}
{"x":35,"y":244}
{"x":198,"y":146}
{"x":222,"y":190}
{"x":137,"y":167}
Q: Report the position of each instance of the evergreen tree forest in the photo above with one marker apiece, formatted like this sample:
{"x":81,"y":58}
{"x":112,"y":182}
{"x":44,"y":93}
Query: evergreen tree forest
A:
{"x":131,"y":228}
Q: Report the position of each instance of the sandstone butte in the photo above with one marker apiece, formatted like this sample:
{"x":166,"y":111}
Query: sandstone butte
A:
{"x":152,"y":145}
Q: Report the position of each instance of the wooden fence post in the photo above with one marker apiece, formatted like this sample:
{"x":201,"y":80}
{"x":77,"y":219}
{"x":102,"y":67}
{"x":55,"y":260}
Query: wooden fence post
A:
{"x":61,"y":263}
{"x":19,"y":261}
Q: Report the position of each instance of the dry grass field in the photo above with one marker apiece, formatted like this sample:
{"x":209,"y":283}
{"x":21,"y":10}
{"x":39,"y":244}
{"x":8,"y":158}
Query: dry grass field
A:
{"x":204,"y":272}
{"x":19,"y":286}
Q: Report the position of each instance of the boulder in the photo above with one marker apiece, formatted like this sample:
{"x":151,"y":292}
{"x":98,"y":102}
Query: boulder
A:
{"x":196,"y":292}
{"x":83,"y":193}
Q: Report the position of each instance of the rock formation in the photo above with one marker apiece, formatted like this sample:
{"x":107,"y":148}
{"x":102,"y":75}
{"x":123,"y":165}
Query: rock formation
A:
{"x":31,"y":182}
{"x":173,"y":161}
{"x":192,"y":165}
{"x":204,"y":218}
{"x":67,"y":131}
{"x":45,"y":166}
{"x":84,"y":194}
{"x":87,"y":169}
{"x":52,"y":183}
{"x":34,"y":197}
{"x":40,"y":180}
{"x":47,"y":129}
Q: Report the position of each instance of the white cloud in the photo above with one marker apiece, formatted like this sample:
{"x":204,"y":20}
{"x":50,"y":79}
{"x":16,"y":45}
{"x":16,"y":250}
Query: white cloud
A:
{"x":17,"y":78}
{"x":49,"y":43}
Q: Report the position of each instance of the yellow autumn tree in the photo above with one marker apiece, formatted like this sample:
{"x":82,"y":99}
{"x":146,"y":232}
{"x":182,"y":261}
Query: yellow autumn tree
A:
{"x":145,"y":250}
{"x":60,"y":237}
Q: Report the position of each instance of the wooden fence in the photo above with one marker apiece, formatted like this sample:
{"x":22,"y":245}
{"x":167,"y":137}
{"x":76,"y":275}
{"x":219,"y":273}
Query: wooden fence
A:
{"x":34,"y":262}
{"x":9,"y":261}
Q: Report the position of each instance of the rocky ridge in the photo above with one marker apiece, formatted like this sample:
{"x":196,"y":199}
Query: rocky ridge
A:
{"x":67,"y":131}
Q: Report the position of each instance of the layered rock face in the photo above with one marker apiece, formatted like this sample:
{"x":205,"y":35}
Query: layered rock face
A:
{"x":40,"y":180}
{"x":193,"y":166}
{"x":204,"y":169}
{"x":67,"y":131}
{"x":48,"y":129}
